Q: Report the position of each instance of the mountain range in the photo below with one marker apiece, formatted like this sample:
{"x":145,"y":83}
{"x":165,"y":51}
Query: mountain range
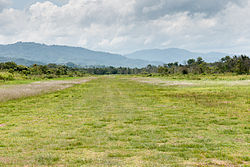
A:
{"x":20,"y":61}
{"x":43,"y":54}
{"x":29,"y":53}
{"x":171,"y":55}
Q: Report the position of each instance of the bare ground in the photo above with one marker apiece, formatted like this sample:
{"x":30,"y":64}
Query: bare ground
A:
{"x":158,"y":81}
{"x":9,"y":92}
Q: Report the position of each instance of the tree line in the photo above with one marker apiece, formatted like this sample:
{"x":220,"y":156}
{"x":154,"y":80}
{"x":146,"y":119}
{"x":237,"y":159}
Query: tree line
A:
{"x":235,"y":64}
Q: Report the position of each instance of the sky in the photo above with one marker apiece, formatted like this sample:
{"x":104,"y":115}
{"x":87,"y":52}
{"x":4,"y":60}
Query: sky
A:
{"x":124,"y":26}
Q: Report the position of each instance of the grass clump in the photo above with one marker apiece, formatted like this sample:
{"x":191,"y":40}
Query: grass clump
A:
{"x":46,"y":159}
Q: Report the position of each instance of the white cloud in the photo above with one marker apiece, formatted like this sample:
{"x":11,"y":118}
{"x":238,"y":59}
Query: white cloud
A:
{"x":4,"y":4}
{"x":124,"y":26}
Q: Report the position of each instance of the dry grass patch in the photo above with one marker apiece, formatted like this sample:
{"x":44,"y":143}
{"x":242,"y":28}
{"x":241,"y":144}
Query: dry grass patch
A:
{"x":9,"y":92}
{"x":164,"y":82}
{"x":158,"y":81}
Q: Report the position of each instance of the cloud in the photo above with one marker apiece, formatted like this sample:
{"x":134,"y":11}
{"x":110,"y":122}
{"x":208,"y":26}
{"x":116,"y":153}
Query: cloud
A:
{"x":152,"y":9}
{"x":4,"y":4}
{"x":127,"y":25}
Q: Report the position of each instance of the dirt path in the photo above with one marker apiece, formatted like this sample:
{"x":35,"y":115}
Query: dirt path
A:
{"x":8,"y":92}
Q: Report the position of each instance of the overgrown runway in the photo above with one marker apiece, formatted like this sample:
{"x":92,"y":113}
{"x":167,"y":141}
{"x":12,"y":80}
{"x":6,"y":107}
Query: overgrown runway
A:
{"x":112,"y":121}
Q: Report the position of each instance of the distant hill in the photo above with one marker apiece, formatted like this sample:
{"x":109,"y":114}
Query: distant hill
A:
{"x":174,"y":55}
{"x":19,"y":61}
{"x":63,"y":54}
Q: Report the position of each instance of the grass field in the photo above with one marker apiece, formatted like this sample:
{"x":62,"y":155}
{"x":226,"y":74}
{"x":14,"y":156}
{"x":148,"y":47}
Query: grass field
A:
{"x":116,"y":121}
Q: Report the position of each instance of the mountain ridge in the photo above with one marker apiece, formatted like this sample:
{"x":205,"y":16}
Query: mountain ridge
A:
{"x":61,"y":54}
{"x":20,"y":61}
{"x":171,"y":55}
{"x":26,"y":53}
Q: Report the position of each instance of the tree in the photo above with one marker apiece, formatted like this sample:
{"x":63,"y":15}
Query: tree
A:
{"x":191,"y":61}
{"x":199,"y":60}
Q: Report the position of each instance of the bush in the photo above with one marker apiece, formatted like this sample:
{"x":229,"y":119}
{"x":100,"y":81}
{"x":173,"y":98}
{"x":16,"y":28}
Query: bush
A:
{"x":51,"y":76}
{"x":184,"y":71}
{"x":6,"y":76}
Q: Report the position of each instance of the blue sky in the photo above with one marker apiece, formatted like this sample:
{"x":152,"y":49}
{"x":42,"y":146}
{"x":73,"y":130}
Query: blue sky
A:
{"x":22,"y":4}
{"x":124,"y":26}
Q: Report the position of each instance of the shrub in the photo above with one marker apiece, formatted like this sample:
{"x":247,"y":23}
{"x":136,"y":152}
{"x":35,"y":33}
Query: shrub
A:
{"x":50,"y":76}
{"x":6,"y":76}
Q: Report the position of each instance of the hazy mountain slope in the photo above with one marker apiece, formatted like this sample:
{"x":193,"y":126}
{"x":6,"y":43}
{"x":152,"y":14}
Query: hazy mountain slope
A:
{"x":173,"y":55}
{"x":63,"y":54}
{"x":19,"y":61}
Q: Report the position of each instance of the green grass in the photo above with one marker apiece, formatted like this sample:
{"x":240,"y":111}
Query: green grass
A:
{"x":111,"y":121}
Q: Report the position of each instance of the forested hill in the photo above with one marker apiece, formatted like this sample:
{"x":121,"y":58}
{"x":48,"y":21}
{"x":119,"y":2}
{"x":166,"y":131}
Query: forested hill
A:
{"x":30,"y":51}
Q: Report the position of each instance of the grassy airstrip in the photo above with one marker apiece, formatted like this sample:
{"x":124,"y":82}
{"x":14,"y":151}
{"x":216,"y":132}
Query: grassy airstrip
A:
{"x":117,"y":121}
